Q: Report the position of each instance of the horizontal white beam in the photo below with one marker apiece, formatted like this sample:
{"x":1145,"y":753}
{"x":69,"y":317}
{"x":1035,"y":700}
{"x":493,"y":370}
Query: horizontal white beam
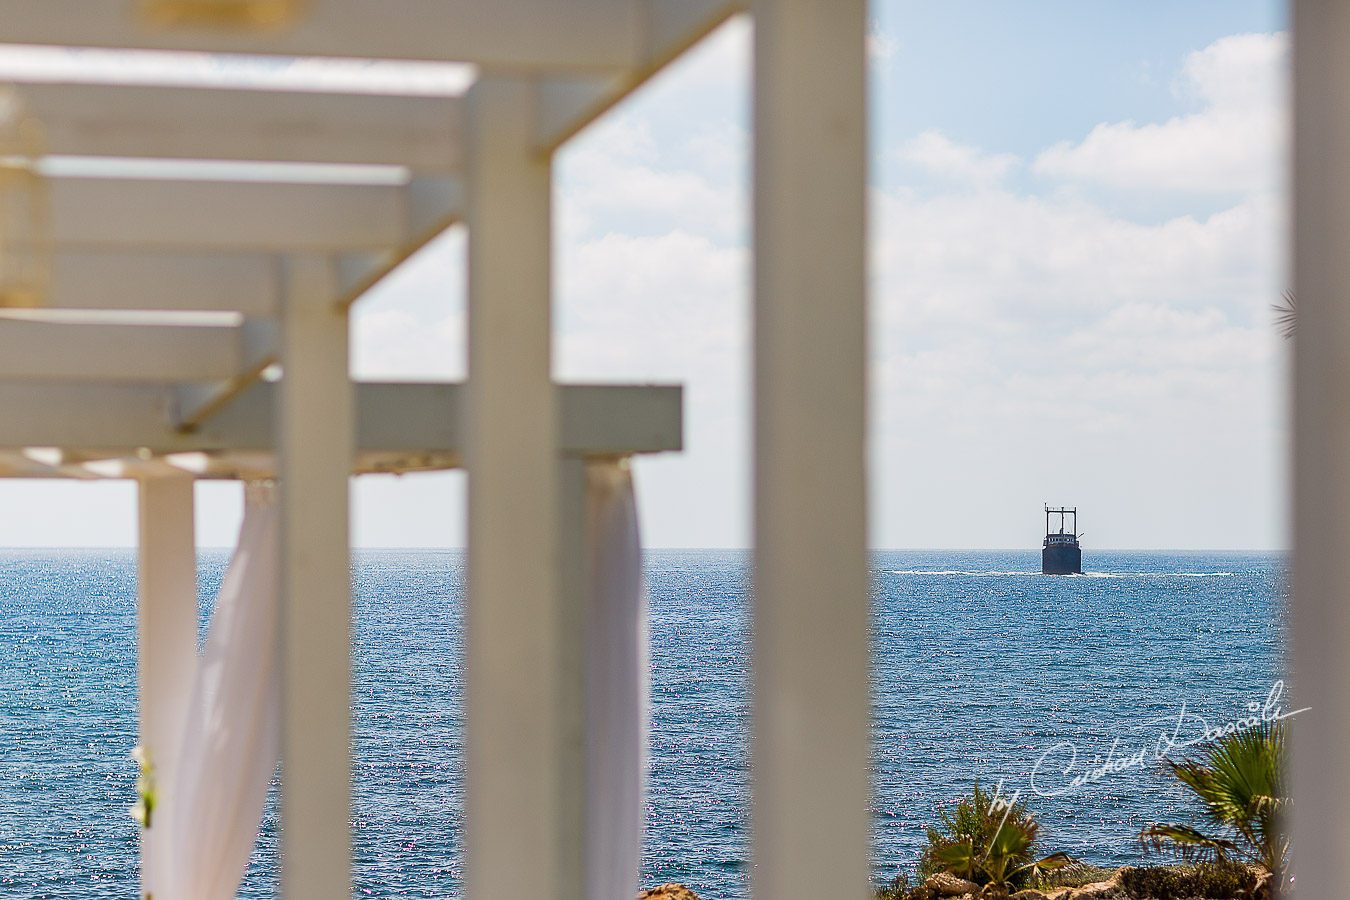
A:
{"x":268,"y":217}
{"x":589,"y":54}
{"x":16,"y":464}
{"x":422,"y":133}
{"x":102,"y":421}
{"x":46,"y":351}
{"x":234,"y":282}
{"x":164,"y":281}
{"x":515,"y":34}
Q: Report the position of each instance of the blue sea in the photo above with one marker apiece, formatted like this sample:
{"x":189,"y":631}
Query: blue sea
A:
{"x":983,"y":670}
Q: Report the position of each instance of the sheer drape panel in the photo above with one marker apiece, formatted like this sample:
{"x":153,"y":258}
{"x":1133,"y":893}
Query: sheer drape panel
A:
{"x":231,"y":744}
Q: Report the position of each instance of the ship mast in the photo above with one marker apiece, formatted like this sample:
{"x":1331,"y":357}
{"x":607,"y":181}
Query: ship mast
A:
{"x":1061,"y":511}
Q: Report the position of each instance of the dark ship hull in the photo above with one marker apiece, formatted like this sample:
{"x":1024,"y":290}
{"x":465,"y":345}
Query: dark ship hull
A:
{"x":1062,"y":559}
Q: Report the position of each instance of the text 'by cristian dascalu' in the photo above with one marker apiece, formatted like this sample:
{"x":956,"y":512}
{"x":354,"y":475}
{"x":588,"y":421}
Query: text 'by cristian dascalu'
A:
{"x":1060,"y":771}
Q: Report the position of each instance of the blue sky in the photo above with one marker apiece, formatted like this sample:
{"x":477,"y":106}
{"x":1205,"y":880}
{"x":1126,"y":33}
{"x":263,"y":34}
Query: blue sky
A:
{"x":1078,"y":227}
{"x":1020,"y":76}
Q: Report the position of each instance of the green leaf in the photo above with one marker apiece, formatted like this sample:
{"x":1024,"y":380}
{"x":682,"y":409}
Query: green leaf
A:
{"x":1240,"y":783}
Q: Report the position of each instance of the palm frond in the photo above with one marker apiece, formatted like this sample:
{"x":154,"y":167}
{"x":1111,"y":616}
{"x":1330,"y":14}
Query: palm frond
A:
{"x":984,"y":838}
{"x":1240,"y":783}
{"x":1286,"y":314}
{"x":1191,"y":844}
{"x":958,"y":858}
{"x":1044,"y":866}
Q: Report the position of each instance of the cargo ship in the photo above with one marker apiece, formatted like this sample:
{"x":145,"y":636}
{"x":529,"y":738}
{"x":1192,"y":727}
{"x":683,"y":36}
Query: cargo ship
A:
{"x":1060,"y":554}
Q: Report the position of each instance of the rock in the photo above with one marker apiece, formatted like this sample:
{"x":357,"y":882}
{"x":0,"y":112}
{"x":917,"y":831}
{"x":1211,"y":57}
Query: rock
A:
{"x":1099,"y":890}
{"x":949,"y":884}
{"x":668,"y":892}
{"x":1029,"y":894}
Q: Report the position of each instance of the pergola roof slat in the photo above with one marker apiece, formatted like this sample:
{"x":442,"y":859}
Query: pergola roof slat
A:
{"x":164,"y":281}
{"x":588,"y":54}
{"x":391,"y":418}
{"x":514,"y":34}
{"x":421,"y":133}
{"x":140,"y":214}
{"x":47,"y":351}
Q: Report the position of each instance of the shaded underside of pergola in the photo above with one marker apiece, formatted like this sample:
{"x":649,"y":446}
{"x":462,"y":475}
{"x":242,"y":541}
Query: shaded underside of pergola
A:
{"x":188,"y":317}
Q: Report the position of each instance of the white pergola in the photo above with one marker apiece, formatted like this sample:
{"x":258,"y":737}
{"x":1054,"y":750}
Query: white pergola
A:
{"x":86,"y":393}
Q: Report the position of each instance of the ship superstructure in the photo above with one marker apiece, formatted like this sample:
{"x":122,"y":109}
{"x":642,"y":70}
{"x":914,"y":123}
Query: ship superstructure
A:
{"x":1060,"y":554}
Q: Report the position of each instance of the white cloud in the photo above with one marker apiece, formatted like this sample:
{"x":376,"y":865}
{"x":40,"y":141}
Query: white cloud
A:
{"x":939,"y":155}
{"x":1242,"y":70}
{"x":619,"y":177}
{"x":1039,"y":346}
{"x":1235,"y":142}
{"x":413,"y":325}
{"x":650,"y":304}
{"x":394,"y":345}
{"x":973,"y":260}
{"x":881,"y":46}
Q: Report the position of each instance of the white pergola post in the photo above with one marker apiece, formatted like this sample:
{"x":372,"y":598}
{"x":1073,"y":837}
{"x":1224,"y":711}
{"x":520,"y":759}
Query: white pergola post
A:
{"x":571,"y":692}
{"x":315,"y":434}
{"x":166,"y":663}
{"x":811,"y":749}
{"x":1320,"y":600}
{"x":521,"y":838}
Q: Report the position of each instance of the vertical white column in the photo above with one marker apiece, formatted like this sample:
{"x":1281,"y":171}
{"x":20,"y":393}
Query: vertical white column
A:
{"x":166,"y":609}
{"x":1320,"y":602}
{"x":572,"y":767}
{"x":521,"y":838}
{"x":315,"y":433}
{"x":811,"y":747}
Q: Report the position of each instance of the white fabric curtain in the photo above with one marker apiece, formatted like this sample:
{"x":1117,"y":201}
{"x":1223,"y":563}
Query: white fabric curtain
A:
{"x":232,"y":742}
{"x":232,"y":738}
{"x":617,"y":684}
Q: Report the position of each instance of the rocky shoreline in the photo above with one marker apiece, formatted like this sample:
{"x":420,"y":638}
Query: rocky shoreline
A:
{"x":946,"y":885}
{"x":670,"y":891}
{"x":1127,"y":883}
{"x":1123,"y":884}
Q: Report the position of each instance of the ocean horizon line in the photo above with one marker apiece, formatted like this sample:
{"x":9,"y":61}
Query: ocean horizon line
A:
{"x":442,"y":549}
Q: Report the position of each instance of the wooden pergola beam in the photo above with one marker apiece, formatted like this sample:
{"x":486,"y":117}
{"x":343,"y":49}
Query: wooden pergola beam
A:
{"x":139,"y":214}
{"x":421,"y":133}
{"x":93,"y":279}
{"x":584,"y":55}
{"x":509,"y":33}
{"x":47,"y":351}
{"x":506,"y":35}
{"x":114,"y":420}
{"x":513,"y":34}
